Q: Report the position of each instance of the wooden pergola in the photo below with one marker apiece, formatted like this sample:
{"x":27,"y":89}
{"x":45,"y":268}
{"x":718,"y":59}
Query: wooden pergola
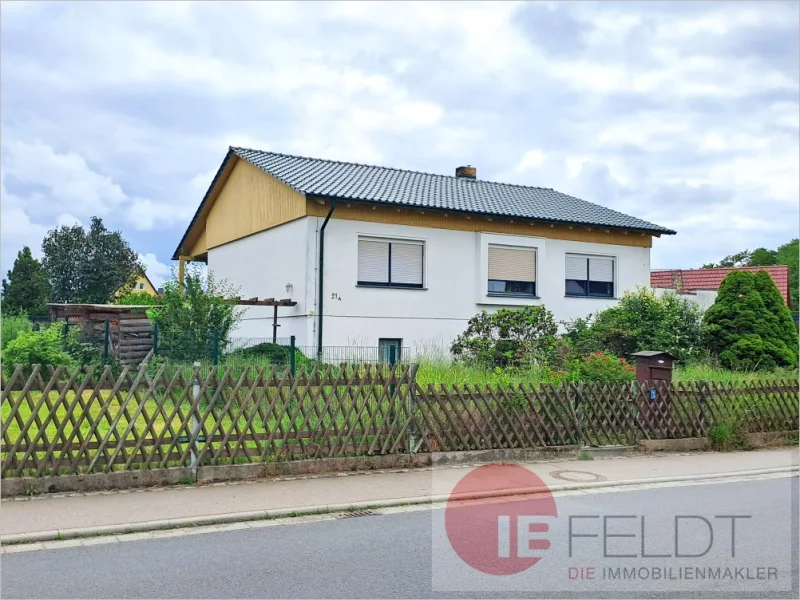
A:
{"x":266,"y":302}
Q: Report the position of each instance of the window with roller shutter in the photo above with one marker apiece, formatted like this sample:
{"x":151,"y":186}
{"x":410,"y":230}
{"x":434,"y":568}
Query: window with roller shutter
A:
{"x":512,"y":271}
{"x":390,"y":263}
{"x":589,"y":276}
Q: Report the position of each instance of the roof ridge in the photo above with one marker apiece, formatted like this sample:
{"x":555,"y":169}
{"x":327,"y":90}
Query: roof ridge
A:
{"x":718,"y":268}
{"x":357,"y":164}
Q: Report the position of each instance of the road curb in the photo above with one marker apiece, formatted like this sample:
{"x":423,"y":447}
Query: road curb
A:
{"x":258,"y":515}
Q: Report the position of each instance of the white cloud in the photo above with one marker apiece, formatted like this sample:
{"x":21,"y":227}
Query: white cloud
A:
{"x":126,"y":111}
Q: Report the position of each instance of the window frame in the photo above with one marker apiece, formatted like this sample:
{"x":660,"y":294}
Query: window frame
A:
{"x":389,"y":283}
{"x":505,"y":294}
{"x":588,"y":281}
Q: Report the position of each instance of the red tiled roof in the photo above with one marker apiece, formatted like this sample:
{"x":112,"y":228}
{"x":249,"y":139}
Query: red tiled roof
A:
{"x":710,"y":279}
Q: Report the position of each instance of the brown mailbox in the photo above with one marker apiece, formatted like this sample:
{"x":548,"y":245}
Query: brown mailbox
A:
{"x":652,"y":365}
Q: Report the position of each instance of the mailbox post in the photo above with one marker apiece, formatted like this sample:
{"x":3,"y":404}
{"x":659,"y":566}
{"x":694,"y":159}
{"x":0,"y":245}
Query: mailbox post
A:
{"x":654,"y":376}
{"x":653,"y":365}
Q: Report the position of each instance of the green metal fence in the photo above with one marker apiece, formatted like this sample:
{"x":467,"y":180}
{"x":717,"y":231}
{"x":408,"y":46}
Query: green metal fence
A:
{"x":182,"y":349}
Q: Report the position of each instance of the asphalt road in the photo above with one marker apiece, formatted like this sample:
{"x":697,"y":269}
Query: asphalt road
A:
{"x":407,"y":555}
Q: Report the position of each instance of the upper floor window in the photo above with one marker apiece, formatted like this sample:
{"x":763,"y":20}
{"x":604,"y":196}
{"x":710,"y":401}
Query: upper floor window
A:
{"x":390,"y":263}
{"x":589,"y":276}
{"x":512,"y":270}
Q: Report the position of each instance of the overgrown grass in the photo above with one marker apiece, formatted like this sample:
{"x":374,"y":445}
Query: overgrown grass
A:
{"x":442,"y":371}
{"x":709,"y":372}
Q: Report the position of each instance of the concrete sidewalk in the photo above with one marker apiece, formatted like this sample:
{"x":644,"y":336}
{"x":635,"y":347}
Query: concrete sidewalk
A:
{"x":47,"y":517}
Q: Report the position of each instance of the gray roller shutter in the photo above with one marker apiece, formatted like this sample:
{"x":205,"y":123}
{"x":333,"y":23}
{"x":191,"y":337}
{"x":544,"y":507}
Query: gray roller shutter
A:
{"x":407,"y":263}
{"x":577,"y":268}
{"x":601,"y":269}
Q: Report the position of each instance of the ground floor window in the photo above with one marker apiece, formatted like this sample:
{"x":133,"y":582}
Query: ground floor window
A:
{"x":589,"y":276}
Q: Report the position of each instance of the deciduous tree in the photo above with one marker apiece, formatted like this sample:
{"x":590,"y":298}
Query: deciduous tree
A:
{"x":88,"y":266}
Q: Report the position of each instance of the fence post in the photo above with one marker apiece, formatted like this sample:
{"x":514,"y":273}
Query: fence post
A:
{"x":291,"y":355}
{"x":195,"y":419}
{"x":412,"y":407}
{"x":575,"y":402}
{"x":106,"y":340}
{"x":701,"y":418}
{"x":392,"y":387}
{"x":155,"y":339}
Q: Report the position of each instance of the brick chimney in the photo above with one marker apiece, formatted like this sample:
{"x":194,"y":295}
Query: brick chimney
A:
{"x":467,"y":172}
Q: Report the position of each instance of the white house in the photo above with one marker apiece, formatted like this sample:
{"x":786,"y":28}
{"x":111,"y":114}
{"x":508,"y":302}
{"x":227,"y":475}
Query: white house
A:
{"x":408,"y":257}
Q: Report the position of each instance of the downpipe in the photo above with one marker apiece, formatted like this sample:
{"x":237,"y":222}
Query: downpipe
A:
{"x":320,"y":268}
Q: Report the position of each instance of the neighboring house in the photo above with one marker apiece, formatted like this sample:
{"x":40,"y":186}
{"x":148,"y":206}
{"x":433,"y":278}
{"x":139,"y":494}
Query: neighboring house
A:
{"x":701,"y":285}
{"x":408,"y":257}
{"x":142,"y":284}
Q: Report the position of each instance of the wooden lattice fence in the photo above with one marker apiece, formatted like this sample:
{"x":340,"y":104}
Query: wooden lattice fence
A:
{"x":60,"y":421}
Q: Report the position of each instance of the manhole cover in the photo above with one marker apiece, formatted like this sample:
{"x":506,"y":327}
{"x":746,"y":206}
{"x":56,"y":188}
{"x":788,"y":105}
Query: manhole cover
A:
{"x":358,"y":513}
{"x":577,"y":476}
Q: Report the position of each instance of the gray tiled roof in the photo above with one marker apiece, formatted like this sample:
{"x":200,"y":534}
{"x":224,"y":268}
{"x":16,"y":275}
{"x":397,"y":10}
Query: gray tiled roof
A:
{"x":351,"y":181}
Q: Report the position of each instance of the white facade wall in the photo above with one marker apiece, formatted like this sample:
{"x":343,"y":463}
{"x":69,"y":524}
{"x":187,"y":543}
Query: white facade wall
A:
{"x":427,"y":320}
{"x":703,"y":298}
{"x":262,"y":265}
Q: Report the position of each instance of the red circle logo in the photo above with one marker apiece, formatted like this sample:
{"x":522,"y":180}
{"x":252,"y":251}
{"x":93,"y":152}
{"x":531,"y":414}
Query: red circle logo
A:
{"x":495,"y":534}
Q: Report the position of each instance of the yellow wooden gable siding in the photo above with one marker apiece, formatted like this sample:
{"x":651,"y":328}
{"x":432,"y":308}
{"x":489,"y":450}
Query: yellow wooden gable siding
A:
{"x":249,"y":201}
{"x":460,"y":222}
{"x":200,"y":247}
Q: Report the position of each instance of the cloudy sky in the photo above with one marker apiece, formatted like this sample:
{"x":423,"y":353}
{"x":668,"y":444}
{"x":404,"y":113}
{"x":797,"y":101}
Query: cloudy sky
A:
{"x":682,"y":113}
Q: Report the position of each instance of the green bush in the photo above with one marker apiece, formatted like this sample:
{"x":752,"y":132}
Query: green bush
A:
{"x":268,"y":353}
{"x":601,"y":367}
{"x":194,"y":324}
{"x":743,"y":332}
{"x":12,"y":327}
{"x":782,"y":326}
{"x":44,"y":347}
{"x":641,"y":321}
{"x":508,"y":337}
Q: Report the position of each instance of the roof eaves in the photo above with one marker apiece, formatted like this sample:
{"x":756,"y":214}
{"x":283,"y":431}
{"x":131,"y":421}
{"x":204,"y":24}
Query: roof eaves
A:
{"x":178,"y":250}
{"x":657,"y":229}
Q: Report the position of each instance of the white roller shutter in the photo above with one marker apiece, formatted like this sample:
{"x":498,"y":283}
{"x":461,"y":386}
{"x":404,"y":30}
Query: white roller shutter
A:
{"x":407,"y":263}
{"x":373,"y":261}
{"x":512,"y":264}
{"x":601,"y":269}
{"x":576,"y":268}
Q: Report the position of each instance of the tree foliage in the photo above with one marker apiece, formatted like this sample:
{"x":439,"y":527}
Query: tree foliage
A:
{"x":137,"y":299}
{"x":88,"y":266}
{"x":743,"y":328}
{"x":787,"y":254}
{"x":26,"y":289}
{"x":508,"y":337}
{"x":641,"y":321}
{"x":189,"y":324}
